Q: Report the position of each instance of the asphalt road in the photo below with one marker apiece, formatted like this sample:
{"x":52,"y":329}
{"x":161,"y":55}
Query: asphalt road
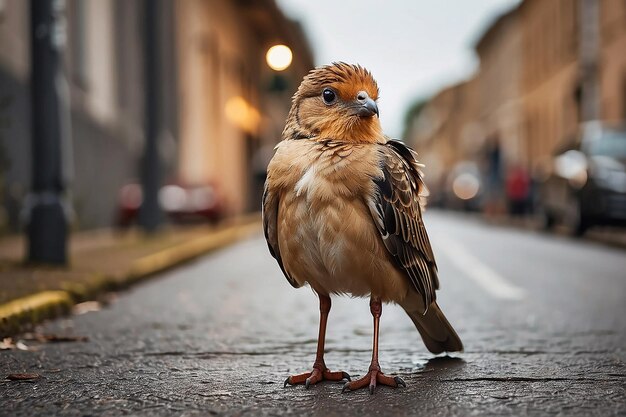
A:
{"x":543,"y":320}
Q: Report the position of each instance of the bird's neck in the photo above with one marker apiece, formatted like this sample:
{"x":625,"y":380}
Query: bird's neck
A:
{"x":362,"y":131}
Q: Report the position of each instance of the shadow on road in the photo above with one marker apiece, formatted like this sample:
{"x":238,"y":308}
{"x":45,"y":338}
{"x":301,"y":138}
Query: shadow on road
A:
{"x":443,"y":363}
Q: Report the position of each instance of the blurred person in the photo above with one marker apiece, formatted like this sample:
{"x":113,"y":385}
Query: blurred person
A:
{"x":517,"y":187}
{"x":493,"y":184}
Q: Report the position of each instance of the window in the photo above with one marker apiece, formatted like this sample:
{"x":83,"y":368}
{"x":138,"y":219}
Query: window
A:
{"x":3,"y":8}
{"x":78,"y":41}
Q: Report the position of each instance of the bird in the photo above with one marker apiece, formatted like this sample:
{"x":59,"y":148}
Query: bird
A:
{"x":342,"y":213}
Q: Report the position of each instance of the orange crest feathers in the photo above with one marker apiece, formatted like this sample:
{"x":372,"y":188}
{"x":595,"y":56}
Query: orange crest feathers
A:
{"x":347,"y":79}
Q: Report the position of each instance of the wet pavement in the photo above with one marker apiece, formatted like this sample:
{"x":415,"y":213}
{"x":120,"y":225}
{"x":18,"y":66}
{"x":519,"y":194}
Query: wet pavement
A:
{"x":543,"y":320}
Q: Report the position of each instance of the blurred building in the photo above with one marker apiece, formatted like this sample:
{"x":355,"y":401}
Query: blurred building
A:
{"x":220,"y":103}
{"x":612,"y":60}
{"x":545,"y":66}
{"x":232,"y":105}
{"x":445,"y":132}
{"x":103,"y":69}
{"x":499,"y":78}
{"x":551,"y":92}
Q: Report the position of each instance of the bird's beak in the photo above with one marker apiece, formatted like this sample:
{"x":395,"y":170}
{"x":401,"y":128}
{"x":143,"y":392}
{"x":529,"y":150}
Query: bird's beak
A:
{"x":367,"y":108}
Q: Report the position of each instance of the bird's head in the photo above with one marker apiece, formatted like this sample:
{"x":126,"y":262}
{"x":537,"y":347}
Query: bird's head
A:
{"x":336,"y":102}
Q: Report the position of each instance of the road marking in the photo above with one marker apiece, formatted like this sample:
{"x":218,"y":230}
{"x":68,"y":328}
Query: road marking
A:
{"x":490,"y":281}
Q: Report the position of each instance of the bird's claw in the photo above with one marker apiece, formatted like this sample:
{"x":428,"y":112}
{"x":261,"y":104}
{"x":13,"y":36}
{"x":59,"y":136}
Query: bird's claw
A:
{"x":373,"y":378}
{"x":315,"y":376}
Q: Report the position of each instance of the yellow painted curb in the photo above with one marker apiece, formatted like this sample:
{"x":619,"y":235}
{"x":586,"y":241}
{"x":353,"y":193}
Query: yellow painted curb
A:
{"x":32,"y":309}
{"x":34,"y":301}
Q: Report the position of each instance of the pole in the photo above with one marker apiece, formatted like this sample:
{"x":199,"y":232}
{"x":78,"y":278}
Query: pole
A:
{"x":589,"y":56}
{"x":149,"y":213}
{"x":45,"y":207}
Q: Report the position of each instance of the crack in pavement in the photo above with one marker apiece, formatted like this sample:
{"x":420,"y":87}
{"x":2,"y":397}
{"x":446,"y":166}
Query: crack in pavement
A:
{"x":530,"y":379}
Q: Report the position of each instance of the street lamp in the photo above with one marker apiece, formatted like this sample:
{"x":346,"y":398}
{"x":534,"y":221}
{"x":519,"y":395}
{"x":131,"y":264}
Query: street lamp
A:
{"x":279,"y":57}
{"x":150,"y":216}
{"x":46,"y":207}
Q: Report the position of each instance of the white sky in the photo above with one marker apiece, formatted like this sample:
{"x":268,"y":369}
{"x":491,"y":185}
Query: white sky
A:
{"x":412,"y":47}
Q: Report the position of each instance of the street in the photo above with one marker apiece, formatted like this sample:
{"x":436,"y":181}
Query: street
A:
{"x":542,"y":318}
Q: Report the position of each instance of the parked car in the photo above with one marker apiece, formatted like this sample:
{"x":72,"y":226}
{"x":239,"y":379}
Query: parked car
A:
{"x":181,"y":203}
{"x":584,"y":184}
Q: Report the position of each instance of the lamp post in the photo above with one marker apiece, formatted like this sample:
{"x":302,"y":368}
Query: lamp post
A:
{"x":45,"y":206}
{"x":278,"y":58}
{"x":150,"y":215}
{"x":589,"y":51}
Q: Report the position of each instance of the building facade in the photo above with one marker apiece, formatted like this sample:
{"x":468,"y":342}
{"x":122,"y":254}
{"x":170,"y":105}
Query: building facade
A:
{"x":229,"y":111}
{"x":551,"y":92}
{"x":613,"y":60}
{"x":499,"y":79}
{"x":103,"y":81}
{"x":545,"y":66}
{"x":218,"y":104}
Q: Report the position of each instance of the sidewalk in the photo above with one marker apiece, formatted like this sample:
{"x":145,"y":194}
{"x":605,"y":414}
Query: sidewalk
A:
{"x":100,"y":261}
{"x":605,"y":235}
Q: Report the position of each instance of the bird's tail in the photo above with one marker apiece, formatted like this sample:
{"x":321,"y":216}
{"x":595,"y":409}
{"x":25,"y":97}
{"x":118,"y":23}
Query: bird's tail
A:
{"x":436,"y":331}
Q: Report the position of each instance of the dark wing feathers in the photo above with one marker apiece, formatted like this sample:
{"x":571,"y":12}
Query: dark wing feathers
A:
{"x":397,"y":212}
{"x":270,"y":229}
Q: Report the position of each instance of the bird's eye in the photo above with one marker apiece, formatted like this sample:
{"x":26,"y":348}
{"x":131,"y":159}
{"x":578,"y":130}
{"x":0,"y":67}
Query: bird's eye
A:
{"x":328,"y":95}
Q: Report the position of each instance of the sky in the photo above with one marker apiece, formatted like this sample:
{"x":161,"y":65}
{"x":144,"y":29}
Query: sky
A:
{"x":412,"y":47}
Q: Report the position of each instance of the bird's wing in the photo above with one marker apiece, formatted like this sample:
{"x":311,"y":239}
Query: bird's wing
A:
{"x":270,"y":228}
{"x":396,"y":207}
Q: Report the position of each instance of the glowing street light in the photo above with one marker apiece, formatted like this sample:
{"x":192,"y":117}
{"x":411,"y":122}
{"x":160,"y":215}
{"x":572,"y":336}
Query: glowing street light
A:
{"x":279,"y":57}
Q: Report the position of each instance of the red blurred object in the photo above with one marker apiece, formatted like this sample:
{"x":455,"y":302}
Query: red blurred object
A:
{"x":181,"y":203}
{"x":517,"y":184}
{"x":517,"y":190}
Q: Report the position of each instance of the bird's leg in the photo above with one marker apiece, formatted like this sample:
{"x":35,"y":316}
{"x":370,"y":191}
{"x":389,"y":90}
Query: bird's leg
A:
{"x":374,"y":376}
{"x":320,"y":371}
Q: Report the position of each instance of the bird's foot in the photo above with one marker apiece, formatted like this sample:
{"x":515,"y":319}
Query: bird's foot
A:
{"x":371,"y":379}
{"x":319,"y":373}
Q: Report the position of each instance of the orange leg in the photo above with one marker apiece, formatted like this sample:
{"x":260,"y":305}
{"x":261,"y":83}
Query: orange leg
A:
{"x":374,"y":376}
{"x":320,"y":371}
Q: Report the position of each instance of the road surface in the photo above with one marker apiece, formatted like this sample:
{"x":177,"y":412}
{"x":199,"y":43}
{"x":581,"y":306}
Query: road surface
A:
{"x":543,"y":320}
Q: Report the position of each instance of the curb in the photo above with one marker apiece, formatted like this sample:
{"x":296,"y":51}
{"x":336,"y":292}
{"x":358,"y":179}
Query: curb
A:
{"x":33,"y":309}
{"x":22,"y":313}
